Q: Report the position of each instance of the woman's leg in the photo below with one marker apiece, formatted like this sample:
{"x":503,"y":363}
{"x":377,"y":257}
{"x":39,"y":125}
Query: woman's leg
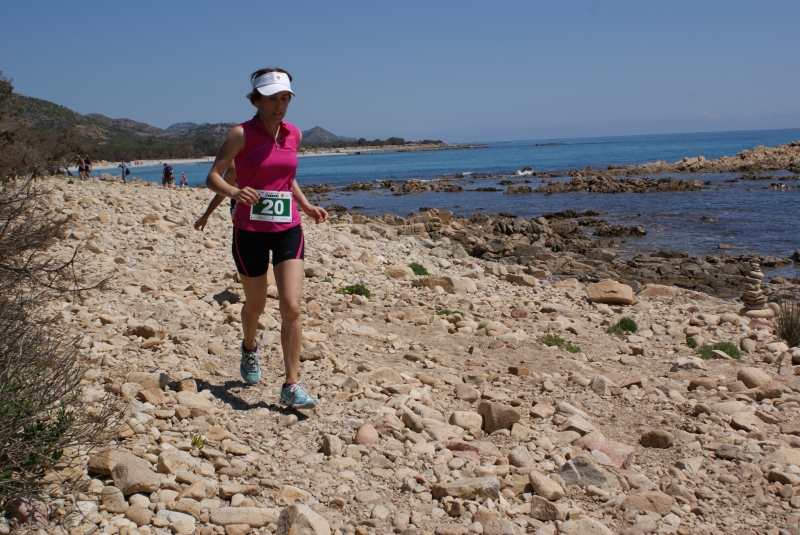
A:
{"x":289,"y":278}
{"x":255,"y":291}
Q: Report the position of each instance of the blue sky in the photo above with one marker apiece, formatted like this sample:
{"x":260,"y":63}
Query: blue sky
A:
{"x":457,"y":71}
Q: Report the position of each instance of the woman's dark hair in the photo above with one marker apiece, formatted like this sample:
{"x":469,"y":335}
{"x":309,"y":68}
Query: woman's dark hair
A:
{"x":254,"y":96}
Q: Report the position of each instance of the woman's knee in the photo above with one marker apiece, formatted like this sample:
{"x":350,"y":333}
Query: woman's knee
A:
{"x":254,"y":307}
{"x":290,"y":311}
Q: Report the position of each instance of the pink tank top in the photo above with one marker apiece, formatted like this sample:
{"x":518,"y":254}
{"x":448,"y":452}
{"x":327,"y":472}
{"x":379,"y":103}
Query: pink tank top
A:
{"x":264,"y":165}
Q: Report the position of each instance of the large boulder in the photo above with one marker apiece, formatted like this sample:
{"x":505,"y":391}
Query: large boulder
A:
{"x":301,"y":520}
{"x":610,"y":292}
{"x":255,"y":517}
{"x":134,"y":476}
{"x":475,"y":488}
{"x":104,"y":461}
{"x":497,"y":416}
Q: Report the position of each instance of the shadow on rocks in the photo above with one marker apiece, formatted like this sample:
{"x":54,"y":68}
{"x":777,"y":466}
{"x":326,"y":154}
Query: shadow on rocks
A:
{"x":228,"y":393}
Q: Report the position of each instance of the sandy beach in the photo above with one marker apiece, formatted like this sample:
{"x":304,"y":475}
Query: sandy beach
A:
{"x":479,"y":398}
{"x":103,"y":165}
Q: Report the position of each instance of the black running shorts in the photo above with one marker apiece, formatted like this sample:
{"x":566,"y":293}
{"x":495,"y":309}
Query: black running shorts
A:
{"x":251,"y":249}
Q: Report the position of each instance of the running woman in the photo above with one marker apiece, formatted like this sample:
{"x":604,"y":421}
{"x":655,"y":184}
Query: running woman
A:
{"x":267,"y":219}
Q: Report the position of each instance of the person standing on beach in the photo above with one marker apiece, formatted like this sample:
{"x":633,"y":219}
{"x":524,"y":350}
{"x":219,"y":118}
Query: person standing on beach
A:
{"x":166,"y":175}
{"x":183,"y":179}
{"x":88,"y":166}
{"x":267,"y":219}
{"x":81,"y":167}
{"x":124,"y":167}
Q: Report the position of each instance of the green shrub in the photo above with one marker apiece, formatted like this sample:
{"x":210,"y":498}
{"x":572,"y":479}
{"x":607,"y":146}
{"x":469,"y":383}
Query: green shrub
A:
{"x":728,"y":348}
{"x":355,"y":289}
{"x":556,"y":340}
{"x":481,"y":326}
{"x":418,"y":269}
{"x":787,"y":322}
{"x":624,"y":325}
{"x":691,"y":342}
{"x":445,"y":312}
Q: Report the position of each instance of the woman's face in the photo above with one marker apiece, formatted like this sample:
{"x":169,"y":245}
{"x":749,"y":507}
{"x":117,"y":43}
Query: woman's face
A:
{"x":273,"y":107}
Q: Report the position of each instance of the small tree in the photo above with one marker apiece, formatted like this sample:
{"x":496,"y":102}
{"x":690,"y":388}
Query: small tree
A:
{"x":24,"y":152}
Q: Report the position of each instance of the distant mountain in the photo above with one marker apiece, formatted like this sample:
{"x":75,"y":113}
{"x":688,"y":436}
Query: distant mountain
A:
{"x":142,"y":129}
{"x":181,"y":127}
{"x":44,"y":115}
{"x":96,"y":129}
{"x":320,"y":135}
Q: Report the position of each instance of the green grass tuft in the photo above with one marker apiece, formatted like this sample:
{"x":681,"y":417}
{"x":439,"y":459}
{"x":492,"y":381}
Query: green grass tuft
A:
{"x":691,"y":342}
{"x":197,"y":441}
{"x":355,"y":289}
{"x":445,"y":312}
{"x":729,"y":348}
{"x":624,"y":325}
{"x":787,"y":322}
{"x":556,"y":340}
{"x":418,"y":269}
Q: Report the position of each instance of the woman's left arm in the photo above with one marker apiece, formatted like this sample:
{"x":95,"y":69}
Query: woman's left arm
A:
{"x":317,"y":213}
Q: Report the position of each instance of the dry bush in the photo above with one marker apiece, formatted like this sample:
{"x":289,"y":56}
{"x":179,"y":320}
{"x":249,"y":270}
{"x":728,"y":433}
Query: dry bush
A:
{"x":45,"y":422}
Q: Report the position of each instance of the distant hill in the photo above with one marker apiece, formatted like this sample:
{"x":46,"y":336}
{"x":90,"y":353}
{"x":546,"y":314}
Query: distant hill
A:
{"x":320,"y":135}
{"x":108,"y":138}
{"x":181,"y":127}
{"x":141,"y":129}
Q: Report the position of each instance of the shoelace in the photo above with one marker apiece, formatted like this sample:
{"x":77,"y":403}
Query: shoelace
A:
{"x":298,"y":388}
{"x":251,"y":358}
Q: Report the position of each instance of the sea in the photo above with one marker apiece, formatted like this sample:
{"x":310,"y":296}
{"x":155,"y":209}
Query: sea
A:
{"x":738,"y":217}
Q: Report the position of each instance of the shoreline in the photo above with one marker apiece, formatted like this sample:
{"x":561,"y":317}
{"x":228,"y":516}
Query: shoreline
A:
{"x":304,"y":153}
{"x":556,"y":243}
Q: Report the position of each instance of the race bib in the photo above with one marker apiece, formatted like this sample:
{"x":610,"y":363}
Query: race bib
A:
{"x":272,"y":206}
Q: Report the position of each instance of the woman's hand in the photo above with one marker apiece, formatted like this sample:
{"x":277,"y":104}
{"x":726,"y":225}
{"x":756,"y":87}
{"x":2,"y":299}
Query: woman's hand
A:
{"x":200,"y":224}
{"x":317,"y":213}
{"x":246,"y":196}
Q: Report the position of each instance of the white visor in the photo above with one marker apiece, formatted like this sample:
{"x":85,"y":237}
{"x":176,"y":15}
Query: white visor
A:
{"x":272,"y":82}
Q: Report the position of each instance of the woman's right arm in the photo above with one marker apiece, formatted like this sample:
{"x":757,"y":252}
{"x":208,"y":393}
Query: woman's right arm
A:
{"x":233,"y":144}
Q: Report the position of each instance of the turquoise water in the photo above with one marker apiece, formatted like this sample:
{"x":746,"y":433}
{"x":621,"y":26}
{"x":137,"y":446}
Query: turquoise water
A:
{"x":748,"y":218}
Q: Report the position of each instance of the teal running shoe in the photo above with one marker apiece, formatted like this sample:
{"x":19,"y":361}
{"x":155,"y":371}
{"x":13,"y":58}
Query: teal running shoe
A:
{"x":249,"y":369}
{"x":296,"y":397}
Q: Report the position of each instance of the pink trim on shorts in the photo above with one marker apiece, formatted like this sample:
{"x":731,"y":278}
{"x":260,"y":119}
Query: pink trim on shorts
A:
{"x":236,"y":246}
{"x":302,"y":244}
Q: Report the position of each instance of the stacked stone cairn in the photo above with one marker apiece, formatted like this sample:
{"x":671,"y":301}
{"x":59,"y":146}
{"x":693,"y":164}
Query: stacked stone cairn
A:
{"x":753,"y":297}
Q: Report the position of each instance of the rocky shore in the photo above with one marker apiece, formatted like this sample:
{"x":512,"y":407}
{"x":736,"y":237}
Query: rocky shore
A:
{"x":561,"y":245}
{"x":761,"y":159}
{"x":485,"y":397}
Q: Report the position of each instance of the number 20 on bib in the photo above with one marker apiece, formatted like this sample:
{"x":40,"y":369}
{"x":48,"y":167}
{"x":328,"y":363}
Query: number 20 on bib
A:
{"x":272,"y":206}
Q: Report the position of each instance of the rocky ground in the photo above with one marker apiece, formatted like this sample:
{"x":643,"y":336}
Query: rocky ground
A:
{"x":440,"y":410}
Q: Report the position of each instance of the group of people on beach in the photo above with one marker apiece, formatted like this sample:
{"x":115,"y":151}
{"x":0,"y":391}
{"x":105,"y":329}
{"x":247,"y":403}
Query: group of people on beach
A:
{"x":84,"y":167}
{"x":167,"y":177}
{"x":256,"y":168}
